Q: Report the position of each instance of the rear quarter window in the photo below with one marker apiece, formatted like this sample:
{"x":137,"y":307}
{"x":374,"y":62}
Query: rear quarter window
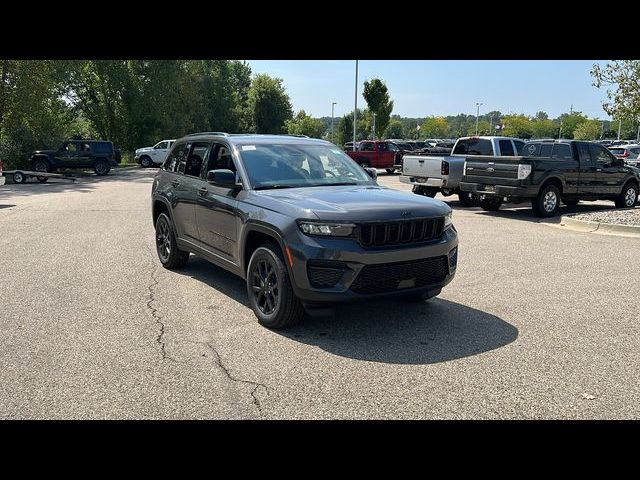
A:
{"x":562,"y":150}
{"x":102,"y":147}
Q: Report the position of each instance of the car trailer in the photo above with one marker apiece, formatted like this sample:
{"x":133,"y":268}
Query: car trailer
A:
{"x":21,"y":176}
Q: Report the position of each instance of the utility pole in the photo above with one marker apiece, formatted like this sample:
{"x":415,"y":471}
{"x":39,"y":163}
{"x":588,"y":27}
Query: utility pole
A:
{"x":571,"y":110}
{"x":477,"y":115}
{"x":490,"y":124}
{"x":602,"y":130}
{"x":355,"y":110}
{"x":560,"y":132}
{"x":638,"y":134}
{"x":332,"y":138}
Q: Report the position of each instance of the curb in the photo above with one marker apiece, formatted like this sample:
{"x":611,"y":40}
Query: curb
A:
{"x":599,"y":227}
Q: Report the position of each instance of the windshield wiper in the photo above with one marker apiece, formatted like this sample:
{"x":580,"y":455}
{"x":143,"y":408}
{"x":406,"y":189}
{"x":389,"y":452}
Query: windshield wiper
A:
{"x":336,"y":184}
{"x":272,"y":187}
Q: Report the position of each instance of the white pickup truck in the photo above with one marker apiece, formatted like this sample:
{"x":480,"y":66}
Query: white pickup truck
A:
{"x":430,"y":174}
{"x":2,"y":179}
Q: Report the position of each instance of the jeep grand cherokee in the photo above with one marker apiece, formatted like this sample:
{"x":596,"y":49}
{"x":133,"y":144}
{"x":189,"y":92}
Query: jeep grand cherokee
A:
{"x":300,"y":221}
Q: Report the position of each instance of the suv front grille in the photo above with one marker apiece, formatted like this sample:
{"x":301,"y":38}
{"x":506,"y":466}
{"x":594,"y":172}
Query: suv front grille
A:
{"x":402,"y":232}
{"x":325,"y":274}
{"x":388,"y":277}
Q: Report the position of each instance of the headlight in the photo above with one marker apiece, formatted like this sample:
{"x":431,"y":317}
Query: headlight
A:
{"x":524,"y":171}
{"x":327,"y":229}
{"x":448,"y":220}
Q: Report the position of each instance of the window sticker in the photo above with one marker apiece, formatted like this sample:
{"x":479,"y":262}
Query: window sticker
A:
{"x":248,"y":147}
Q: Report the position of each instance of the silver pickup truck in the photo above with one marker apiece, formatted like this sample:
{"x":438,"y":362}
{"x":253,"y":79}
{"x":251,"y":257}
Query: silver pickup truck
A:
{"x":430,"y":174}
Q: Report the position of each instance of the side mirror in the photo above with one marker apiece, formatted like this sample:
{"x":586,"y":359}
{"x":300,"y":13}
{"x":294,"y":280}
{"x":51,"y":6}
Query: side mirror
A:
{"x":373,"y":173}
{"x":222,"y":178}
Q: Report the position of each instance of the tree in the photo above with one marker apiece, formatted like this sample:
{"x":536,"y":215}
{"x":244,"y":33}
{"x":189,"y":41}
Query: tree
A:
{"x":303,"y":124}
{"x":268,"y":105}
{"x":517,"y":126}
{"x":570,"y":122}
{"x":541,"y":116}
{"x":624,"y":96}
{"x":394,"y":129}
{"x":543,"y":127}
{"x":434,"y":127}
{"x":377,"y":97}
{"x":344,"y":132}
{"x":587,"y":130}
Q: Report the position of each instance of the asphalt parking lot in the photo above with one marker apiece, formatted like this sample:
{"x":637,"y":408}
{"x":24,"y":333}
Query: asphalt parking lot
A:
{"x":540,"y":322}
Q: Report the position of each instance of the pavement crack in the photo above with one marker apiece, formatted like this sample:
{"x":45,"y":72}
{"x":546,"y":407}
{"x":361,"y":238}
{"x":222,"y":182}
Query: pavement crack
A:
{"x":156,"y":316}
{"x":227,"y":372}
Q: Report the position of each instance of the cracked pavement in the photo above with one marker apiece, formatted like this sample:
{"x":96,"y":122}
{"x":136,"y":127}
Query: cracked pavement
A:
{"x":539,"y":323}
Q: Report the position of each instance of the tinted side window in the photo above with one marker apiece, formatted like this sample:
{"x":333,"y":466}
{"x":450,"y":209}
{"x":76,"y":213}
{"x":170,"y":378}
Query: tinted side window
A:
{"x":562,"y":150}
{"x":545,"y":149}
{"x":366,"y":147}
{"x":197,"y":155}
{"x":102,"y":147}
{"x":506,"y":148}
{"x":519,"y":146}
{"x":474,"y":146}
{"x":161,"y":146}
{"x":220,"y":158}
{"x":177,"y":155}
{"x":601,"y":155}
{"x":584,"y":155}
{"x":382,"y":147}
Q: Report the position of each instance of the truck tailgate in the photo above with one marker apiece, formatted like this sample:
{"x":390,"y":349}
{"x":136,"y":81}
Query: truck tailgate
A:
{"x":422,"y":166}
{"x":492,"y":170}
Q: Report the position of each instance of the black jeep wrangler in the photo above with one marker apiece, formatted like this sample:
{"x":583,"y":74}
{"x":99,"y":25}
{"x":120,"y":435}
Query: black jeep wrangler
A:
{"x":97,"y":154}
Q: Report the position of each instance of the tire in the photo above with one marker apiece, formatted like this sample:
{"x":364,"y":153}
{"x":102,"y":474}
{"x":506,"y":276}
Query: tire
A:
{"x":420,"y":297}
{"x":629,"y":196}
{"x":570,"y":203}
{"x":547,"y":202}
{"x":390,"y":170}
{"x":468,"y":199}
{"x":41,"y":165}
{"x":145,"y":162}
{"x":363,"y":163}
{"x":171,"y":257}
{"x":269,"y":289}
{"x":490,"y":203}
{"x":426,"y":191}
{"x":43,"y":179}
{"x":101,"y":167}
{"x":19,"y":177}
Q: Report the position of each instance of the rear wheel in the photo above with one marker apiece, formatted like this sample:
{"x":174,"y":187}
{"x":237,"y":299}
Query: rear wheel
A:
{"x":468,"y":199}
{"x":170,"y":256}
{"x":145,"y":162}
{"x":363,"y":163}
{"x":490,"y":203}
{"x":629,"y":196}
{"x":269,"y":288}
{"x":41,"y":166}
{"x":390,"y":170}
{"x":547,"y":203}
{"x":101,"y":167}
{"x":426,"y":191}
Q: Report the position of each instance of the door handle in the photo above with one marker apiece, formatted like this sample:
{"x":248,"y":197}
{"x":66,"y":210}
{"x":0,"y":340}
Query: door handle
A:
{"x":202,"y":191}
{"x":175,"y":183}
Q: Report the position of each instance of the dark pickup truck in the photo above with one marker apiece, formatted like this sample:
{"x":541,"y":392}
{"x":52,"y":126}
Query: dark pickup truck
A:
{"x":551,"y":171}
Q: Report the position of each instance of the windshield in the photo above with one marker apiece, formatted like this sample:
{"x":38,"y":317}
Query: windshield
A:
{"x":617,"y":151}
{"x":286,"y":166}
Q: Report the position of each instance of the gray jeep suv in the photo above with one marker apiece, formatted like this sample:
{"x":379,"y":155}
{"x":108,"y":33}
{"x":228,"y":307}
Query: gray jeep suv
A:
{"x":300,"y":221}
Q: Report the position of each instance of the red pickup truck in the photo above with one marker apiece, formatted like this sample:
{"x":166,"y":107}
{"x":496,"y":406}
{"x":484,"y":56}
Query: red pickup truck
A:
{"x":377,"y":154}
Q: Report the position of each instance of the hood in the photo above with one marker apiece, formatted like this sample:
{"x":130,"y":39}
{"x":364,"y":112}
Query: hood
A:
{"x":351,"y":203}
{"x":144,"y":149}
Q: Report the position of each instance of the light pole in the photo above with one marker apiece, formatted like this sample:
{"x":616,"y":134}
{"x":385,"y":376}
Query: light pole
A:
{"x":332,"y":139}
{"x":619,"y":128}
{"x":374,"y":127}
{"x":355,"y":110}
{"x":477,"y":115}
{"x":491,"y":125}
{"x":638,"y":134}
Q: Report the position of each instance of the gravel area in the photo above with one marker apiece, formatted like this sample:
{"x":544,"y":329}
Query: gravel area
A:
{"x":615,"y":217}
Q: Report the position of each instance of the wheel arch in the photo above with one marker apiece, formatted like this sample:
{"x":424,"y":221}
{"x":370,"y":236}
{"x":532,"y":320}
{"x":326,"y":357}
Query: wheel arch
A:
{"x":552,"y":180}
{"x":254,"y":235}
{"x":160,"y":205}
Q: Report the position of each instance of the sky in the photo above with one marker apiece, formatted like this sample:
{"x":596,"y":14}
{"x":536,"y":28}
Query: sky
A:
{"x":421,"y":88}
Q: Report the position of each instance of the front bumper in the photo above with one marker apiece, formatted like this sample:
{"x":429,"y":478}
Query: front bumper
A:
{"x":307,"y":251}
{"x":3,"y":179}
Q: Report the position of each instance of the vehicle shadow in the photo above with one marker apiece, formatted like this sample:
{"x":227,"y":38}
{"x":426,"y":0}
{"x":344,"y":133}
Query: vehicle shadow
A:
{"x":6,"y":206}
{"x":386,"y":331}
{"x":523,"y":212}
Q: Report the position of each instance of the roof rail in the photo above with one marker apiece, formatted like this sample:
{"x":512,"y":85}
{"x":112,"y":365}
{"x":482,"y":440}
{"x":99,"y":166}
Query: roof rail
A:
{"x":224,"y":134}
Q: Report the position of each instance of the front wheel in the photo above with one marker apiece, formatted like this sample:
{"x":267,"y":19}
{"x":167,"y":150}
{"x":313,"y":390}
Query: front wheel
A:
{"x":145,"y":162}
{"x":390,"y":170}
{"x":426,"y":191}
{"x":468,"y":199}
{"x":101,"y":167}
{"x":490,"y":203}
{"x":269,"y":288}
{"x":547,"y":203}
{"x":168,"y":253}
{"x":629,"y":196}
